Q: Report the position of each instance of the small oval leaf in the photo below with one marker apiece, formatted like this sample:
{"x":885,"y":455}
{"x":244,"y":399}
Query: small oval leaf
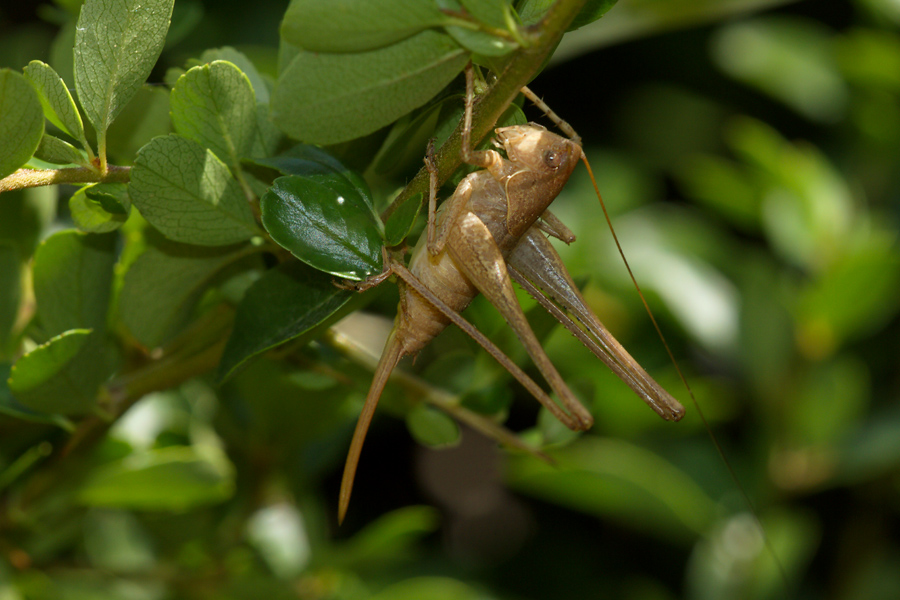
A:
{"x":59,"y":107}
{"x":324,"y":221}
{"x":21,"y":121}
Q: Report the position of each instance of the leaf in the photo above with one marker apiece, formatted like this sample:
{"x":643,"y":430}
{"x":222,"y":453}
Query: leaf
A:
{"x":21,"y":121}
{"x":62,"y":375}
{"x":590,"y":12}
{"x":54,"y":150}
{"x":188,"y":194}
{"x":117,"y":43}
{"x":72,"y":280}
{"x":11,"y":407}
{"x":91,"y":215}
{"x":176,"y":478}
{"x":356,"y":25}
{"x":246,"y":66}
{"x":431,"y":427}
{"x":489,"y":13}
{"x":324,"y":221}
{"x":113,"y":197}
{"x":285,"y":303}
{"x":163,"y":284}
{"x":402,"y":220}
{"x":326,"y":98}
{"x":142,"y":119}
{"x":214,"y":105}
{"x":57,"y":102}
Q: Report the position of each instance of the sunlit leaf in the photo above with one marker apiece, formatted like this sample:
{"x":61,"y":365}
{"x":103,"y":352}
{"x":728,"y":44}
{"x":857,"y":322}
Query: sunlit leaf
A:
{"x":59,"y":107}
{"x":21,"y":121}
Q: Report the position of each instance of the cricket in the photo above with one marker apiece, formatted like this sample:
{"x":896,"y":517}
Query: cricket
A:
{"x":493,"y":231}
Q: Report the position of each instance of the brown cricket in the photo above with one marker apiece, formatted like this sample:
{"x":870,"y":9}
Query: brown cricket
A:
{"x":489,"y":232}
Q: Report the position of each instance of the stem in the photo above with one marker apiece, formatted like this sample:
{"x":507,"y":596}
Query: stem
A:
{"x":542,"y":39}
{"x":28,"y":178}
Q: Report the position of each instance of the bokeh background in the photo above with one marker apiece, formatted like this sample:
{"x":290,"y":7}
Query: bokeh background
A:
{"x":749,"y":153}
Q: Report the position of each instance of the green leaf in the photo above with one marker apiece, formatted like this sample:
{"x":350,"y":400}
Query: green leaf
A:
{"x":324,"y":221}
{"x":72,"y":280}
{"x":590,"y":12}
{"x":59,"y":107}
{"x":490,"y":13}
{"x":240,"y":60}
{"x":162,"y":286}
{"x":62,"y":375}
{"x":113,"y":197}
{"x":91,"y":214}
{"x":176,"y":478}
{"x":187,"y":193}
{"x":402,"y":220}
{"x":285,"y":303}
{"x":142,"y":119}
{"x":431,"y":427}
{"x":54,"y":150}
{"x":10,"y":292}
{"x":21,"y":121}
{"x":11,"y":407}
{"x":356,"y":25}
{"x":326,"y":98}
{"x":214,"y":105}
{"x":117,"y":43}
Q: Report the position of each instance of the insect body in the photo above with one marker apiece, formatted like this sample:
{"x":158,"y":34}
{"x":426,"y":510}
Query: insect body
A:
{"x":496,"y":213}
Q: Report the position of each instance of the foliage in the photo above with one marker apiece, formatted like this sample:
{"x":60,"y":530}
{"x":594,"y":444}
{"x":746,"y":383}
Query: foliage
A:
{"x":179,"y":376}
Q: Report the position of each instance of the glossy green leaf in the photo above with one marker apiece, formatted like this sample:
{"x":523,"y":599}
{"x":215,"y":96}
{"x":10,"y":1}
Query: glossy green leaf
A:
{"x":117,"y":43}
{"x":327,"y":98}
{"x":52,"y":378}
{"x":72,"y":280}
{"x":54,"y":150}
{"x":214,"y":105}
{"x":59,"y":107}
{"x":285,"y":303}
{"x":308,"y":160}
{"x":176,"y":478}
{"x":21,"y":121}
{"x":356,"y":25}
{"x":163,"y":284}
{"x":402,"y":220}
{"x":187,"y":193}
{"x":431,"y":427}
{"x":324,"y":221}
{"x":91,"y":215}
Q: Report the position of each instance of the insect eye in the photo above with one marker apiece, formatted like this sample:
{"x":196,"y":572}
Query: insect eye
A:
{"x":551,"y":159}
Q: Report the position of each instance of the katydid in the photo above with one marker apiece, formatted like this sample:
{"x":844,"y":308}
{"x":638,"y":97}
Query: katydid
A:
{"x":496,"y":219}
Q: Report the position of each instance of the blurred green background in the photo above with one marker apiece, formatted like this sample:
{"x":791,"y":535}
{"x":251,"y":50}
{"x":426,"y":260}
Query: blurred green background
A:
{"x":749,"y":153}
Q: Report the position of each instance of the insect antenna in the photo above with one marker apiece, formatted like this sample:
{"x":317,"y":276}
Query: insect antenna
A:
{"x":712,"y":436}
{"x":570,"y":132}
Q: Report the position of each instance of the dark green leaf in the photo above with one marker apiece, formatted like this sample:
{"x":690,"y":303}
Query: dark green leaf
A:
{"x":21,"y":121}
{"x":214,"y":105}
{"x":187,"y":193}
{"x":285,"y":303}
{"x":324,"y":221}
{"x":163,"y":284}
{"x":117,"y":43}
{"x":431,"y":427}
{"x":72,"y":281}
{"x":176,"y":478}
{"x":113,"y":197}
{"x":402,"y":220}
{"x":356,"y":25}
{"x":327,"y":98}
{"x":59,"y":107}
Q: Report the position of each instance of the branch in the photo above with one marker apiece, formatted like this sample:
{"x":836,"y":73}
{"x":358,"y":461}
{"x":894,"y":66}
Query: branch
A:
{"x":27,"y":178}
